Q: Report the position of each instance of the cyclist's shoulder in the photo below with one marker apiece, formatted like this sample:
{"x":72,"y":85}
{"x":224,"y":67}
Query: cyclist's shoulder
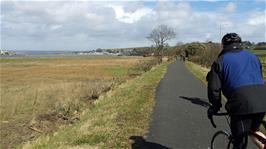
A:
{"x":235,"y":56}
{"x":247,"y":52}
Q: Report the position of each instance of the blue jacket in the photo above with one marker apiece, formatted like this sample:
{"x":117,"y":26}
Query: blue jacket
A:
{"x":239,"y":69}
{"x":238,"y":75}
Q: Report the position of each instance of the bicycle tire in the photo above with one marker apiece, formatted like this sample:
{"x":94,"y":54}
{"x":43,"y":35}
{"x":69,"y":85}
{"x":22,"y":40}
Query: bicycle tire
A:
{"x":221,"y":140}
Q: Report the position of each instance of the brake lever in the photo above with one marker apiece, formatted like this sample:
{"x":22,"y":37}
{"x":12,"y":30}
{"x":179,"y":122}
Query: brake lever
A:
{"x":210,"y":116}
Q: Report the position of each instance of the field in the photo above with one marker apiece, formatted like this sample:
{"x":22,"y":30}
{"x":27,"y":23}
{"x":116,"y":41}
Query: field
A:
{"x":262,"y":56}
{"x":259,"y":52}
{"x":40,"y":94}
{"x":263,"y":62}
{"x":119,"y":119}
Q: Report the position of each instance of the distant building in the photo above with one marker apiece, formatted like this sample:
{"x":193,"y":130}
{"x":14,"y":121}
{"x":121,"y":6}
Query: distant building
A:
{"x":138,"y":51}
{"x":6,"y":53}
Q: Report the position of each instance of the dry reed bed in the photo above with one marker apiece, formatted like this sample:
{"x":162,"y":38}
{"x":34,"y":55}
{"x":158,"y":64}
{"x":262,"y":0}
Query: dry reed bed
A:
{"x":39,"y":95}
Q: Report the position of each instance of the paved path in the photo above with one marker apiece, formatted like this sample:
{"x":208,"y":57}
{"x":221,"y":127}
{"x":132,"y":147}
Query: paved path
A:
{"x":179,"y":119}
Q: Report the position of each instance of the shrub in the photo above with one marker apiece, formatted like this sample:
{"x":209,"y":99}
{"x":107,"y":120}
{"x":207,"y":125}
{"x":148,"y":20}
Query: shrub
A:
{"x":202,"y":53}
{"x":144,"y":66}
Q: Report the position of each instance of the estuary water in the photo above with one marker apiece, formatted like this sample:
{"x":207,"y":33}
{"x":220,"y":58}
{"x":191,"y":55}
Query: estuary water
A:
{"x":38,"y":54}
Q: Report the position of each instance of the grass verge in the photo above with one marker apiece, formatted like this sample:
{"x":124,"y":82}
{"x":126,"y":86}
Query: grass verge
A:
{"x":115,"y":117}
{"x":201,"y":72}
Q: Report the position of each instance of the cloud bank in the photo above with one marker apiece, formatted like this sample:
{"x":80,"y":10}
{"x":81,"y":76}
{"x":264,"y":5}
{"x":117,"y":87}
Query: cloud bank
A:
{"x":87,"y":25}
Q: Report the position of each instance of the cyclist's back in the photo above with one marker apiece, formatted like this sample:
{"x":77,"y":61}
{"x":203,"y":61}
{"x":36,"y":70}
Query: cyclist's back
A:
{"x":238,"y":74}
{"x":242,"y":82}
{"x":239,"y":69}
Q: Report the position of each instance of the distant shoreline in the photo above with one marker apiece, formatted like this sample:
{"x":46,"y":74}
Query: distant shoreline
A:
{"x":39,"y":54}
{"x":42,"y":52}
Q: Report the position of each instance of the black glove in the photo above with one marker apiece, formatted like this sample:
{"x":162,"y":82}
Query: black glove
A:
{"x":211,"y":111}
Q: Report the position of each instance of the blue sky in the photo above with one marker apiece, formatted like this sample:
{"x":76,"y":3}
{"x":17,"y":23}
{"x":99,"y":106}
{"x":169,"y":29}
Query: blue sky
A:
{"x":210,"y":6}
{"x":87,"y":25}
{"x":242,"y":5}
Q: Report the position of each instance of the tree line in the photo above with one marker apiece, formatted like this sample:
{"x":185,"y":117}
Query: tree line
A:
{"x":203,"y":53}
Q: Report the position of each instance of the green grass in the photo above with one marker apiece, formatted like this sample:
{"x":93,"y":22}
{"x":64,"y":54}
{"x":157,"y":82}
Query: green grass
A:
{"x":117,"y":71}
{"x":199,"y":71}
{"x":259,"y":48}
{"x":259,"y":52}
{"x":90,"y":139}
{"x":115,"y":117}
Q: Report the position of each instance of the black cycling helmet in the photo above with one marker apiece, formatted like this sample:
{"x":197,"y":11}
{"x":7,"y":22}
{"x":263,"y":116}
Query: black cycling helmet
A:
{"x":231,"y":38}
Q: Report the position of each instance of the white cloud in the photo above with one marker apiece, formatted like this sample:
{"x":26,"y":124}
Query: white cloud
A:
{"x":231,"y":7}
{"x":55,"y":27}
{"x":257,"y":19}
{"x":86,"y":25}
{"x":129,"y":17}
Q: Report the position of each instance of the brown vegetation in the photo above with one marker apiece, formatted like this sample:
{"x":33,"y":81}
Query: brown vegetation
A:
{"x":39,"y":95}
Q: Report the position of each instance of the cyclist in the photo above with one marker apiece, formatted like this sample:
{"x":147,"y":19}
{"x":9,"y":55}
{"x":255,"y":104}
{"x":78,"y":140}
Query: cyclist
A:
{"x":237,"y":73}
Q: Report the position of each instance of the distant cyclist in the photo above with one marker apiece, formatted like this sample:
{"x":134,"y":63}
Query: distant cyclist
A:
{"x":238,"y":74}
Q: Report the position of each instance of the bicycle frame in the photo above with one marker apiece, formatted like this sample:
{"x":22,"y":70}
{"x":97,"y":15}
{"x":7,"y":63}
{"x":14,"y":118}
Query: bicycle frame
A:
{"x":260,"y":138}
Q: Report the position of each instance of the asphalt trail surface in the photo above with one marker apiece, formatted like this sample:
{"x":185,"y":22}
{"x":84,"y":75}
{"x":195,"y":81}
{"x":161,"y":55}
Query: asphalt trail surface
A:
{"x":179,"y":119}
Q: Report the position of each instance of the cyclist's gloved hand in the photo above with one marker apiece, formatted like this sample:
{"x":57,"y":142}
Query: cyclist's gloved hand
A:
{"x":211,"y":111}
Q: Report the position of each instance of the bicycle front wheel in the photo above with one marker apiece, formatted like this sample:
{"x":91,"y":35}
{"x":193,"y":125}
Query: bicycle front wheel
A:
{"x":221,"y":140}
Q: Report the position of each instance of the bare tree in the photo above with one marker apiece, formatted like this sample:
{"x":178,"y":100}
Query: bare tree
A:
{"x":160,"y":35}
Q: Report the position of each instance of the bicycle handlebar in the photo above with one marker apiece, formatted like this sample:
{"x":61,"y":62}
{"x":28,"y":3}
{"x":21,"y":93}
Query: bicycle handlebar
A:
{"x":216,"y":114}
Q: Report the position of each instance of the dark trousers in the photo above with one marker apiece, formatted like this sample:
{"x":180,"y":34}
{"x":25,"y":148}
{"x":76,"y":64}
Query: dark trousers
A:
{"x":241,"y":125}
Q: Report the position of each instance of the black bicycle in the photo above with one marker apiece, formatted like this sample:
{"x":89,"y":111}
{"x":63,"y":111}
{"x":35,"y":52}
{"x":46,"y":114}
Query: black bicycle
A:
{"x":223,"y":138}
